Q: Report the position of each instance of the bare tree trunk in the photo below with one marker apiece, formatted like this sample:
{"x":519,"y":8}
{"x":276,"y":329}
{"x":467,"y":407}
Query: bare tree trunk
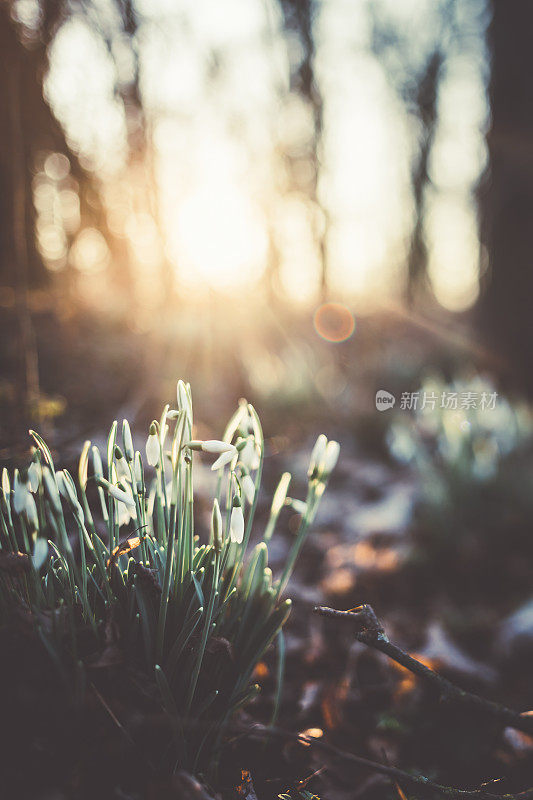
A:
{"x":506,"y":196}
{"x":18,"y":231}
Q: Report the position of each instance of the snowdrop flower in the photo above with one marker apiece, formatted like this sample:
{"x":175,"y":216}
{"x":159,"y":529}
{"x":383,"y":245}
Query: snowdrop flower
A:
{"x":330,"y":459}
{"x":247,"y":485}
{"x":125,"y":514}
{"x":30,"y":511}
{"x":122,"y":467}
{"x":121,"y":495}
{"x":236,"y":527}
{"x":250,"y":454}
{"x":317,"y":456}
{"x":115,"y":491}
{"x":40,"y":551}
{"x":224,"y":458}
{"x":52,"y":493}
{"x":297,"y":505}
{"x":34,"y":475}
{"x":20,"y":493}
{"x":216,"y":527}
{"x":211,"y":446}
{"x":153,"y":450}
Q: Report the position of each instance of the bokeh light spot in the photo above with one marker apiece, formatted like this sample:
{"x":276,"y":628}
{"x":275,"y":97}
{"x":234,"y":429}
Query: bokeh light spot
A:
{"x":334,"y":322}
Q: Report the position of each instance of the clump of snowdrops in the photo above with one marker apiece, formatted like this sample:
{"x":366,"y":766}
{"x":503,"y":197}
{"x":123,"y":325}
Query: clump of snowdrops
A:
{"x":113,"y":564}
{"x":471,"y":450}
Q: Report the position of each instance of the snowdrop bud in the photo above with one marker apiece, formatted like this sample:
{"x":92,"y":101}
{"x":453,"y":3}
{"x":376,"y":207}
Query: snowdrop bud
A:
{"x":153,"y":450}
{"x":317,"y":456}
{"x":51,"y":490}
{"x":83,"y":465}
{"x":173,"y":413}
{"x":216,"y":446}
{"x":34,"y":474}
{"x":138,"y":472}
{"x":20,"y":492}
{"x":6,"y":488}
{"x":330,"y":459}
{"x":184,"y":399}
{"x":97,"y":462}
{"x":216,"y":527}
{"x":128,"y":442}
{"x":248,"y":487}
{"x":236,"y":522}
{"x":61,"y":484}
{"x":224,"y":458}
{"x":281,"y":493}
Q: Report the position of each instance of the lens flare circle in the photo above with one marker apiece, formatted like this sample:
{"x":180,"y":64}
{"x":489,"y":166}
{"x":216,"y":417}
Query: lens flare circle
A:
{"x":334,"y":322}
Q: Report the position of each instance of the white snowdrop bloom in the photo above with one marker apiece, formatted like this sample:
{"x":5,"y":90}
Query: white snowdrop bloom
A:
{"x":317,"y":455}
{"x":248,"y":487}
{"x":216,"y":446}
{"x":225,"y":458}
{"x":331,"y":457}
{"x":30,"y":511}
{"x":123,"y":471}
{"x":153,"y":449}
{"x":20,"y":493}
{"x":249,"y":455}
{"x":51,"y":490}
{"x":40,"y":551}
{"x":121,"y":495}
{"x":34,"y":475}
{"x":236,"y":527}
{"x":297,"y":505}
{"x":125,"y":515}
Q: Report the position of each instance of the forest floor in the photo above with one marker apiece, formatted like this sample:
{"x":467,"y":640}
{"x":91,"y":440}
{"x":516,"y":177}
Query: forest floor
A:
{"x":456,"y":613}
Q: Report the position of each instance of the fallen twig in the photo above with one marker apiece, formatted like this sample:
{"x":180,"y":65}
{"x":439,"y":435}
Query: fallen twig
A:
{"x":399,"y":775}
{"x":371,"y":633}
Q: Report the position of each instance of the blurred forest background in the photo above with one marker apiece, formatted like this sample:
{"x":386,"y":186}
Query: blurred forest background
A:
{"x":301,"y":202}
{"x":182,"y":185}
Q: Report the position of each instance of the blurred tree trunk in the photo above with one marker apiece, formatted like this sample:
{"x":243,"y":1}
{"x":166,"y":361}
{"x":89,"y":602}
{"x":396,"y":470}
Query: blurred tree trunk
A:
{"x":19,"y":263}
{"x":18,"y":93}
{"x":506,"y":196}
{"x":298,"y":19}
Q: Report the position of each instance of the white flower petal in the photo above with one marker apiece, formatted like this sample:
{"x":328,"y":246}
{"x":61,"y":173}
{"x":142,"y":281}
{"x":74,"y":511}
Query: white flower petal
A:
{"x":248,"y":488}
{"x":216,"y":446}
{"x":224,"y":459}
{"x":236,"y":525}
{"x":331,"y":457}
{"x":121,"y":496}
{"x":152,"y":450}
